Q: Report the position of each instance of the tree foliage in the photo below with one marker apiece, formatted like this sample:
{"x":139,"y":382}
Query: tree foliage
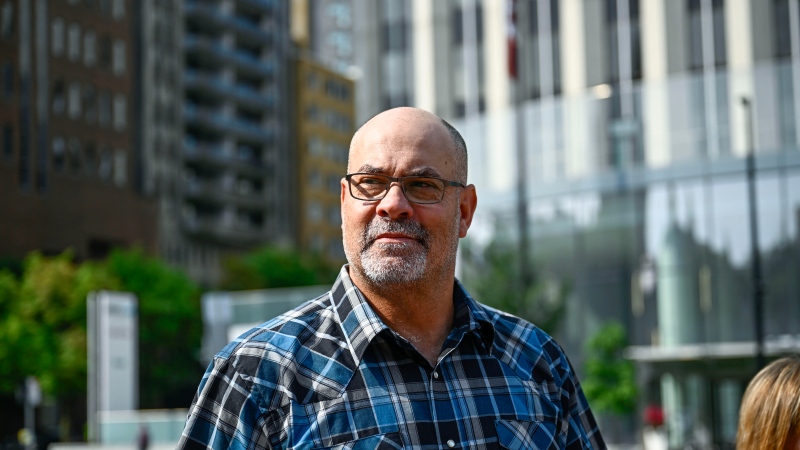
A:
{"x":43,"y":322}
{"x":493,"y":277}
{"x":43,"y":326}
{"x":610,"y":381}
{"x":276,"y":267}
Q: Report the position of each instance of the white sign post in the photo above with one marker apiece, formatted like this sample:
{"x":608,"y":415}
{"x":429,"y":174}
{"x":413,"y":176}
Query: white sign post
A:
{"x":112,"y":319}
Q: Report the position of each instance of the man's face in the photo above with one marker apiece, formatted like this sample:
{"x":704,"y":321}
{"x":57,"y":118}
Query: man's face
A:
{"x":393,"y":241}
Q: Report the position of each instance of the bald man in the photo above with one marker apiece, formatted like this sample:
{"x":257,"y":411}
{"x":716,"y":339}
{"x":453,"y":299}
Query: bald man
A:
{"x":397,"y":354}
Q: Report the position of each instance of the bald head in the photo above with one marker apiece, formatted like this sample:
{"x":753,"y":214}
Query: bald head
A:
{"x":408,"y":119}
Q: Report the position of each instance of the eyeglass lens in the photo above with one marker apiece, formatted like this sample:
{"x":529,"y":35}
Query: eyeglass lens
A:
{"x":416,"y":189}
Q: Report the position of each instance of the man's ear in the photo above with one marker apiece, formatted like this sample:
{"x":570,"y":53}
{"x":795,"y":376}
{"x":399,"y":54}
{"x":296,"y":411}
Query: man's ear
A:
{"x":469,"y":201}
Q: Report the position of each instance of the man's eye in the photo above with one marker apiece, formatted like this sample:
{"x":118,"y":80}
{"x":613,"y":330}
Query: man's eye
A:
{"x":422,"y":184}
{"x":372,"y":181}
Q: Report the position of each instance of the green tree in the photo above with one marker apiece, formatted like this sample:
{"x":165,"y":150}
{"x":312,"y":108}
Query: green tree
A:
{"x":610,"y":381}
{"x":493,"y":277}
{"x":43,"y":324}
{"x":170,"y":326}
{"x":45,"y":317}
{"x":276,"y":267}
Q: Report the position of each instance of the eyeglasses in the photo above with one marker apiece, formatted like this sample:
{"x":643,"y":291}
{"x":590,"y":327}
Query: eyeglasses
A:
{"x":420,"y":190}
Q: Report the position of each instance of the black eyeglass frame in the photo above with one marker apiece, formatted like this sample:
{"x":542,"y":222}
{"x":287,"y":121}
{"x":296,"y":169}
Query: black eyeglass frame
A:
{"x":399,"y":180}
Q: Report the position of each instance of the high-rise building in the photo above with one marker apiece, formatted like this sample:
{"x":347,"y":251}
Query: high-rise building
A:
{"x":323,"y":122}
{"x":68,"y":158}
{"x":234,"y":188}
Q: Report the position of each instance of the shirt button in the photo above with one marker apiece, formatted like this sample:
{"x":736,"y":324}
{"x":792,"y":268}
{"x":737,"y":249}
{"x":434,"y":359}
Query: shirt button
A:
{"x":436,"y":375}
{"x":451,"y":443}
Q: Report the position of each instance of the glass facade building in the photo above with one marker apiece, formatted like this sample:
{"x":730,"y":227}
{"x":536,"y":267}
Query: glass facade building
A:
{"x":647,"y":217}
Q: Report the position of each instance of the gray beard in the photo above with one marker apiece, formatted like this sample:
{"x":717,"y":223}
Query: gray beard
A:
{"x":395,"y":263}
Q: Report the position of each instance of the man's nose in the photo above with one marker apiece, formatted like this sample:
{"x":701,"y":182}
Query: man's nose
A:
{"x":395,"y":204}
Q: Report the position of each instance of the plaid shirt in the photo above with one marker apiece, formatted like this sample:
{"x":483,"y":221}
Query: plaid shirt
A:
{"x":330,"y":374}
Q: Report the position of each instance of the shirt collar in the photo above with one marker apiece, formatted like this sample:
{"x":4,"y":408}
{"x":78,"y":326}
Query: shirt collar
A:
{"x":361,"y":324}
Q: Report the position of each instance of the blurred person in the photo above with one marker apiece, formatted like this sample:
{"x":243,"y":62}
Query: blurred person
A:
{"x":397,"y":354}
{"x":143,"y":439}
{"x":769,"y":418}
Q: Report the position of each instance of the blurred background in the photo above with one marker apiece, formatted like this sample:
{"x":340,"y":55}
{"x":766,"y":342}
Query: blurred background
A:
{"x":636,"y":162}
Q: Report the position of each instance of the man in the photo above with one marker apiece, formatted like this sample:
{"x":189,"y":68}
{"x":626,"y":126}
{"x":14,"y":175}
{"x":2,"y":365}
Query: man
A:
{"x":397,"y":354}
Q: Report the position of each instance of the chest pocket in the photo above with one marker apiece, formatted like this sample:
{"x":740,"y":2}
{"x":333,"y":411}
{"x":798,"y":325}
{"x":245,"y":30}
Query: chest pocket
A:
{"x":529,"y":435}
{"x":386,"y":441}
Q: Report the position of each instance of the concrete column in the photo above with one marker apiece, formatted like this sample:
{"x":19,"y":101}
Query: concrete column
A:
{"x":424,"y":55}
{"x":499,"y":101}
{"x":739,"y":35}
{"x":655,"y":98}
{"x":574,"y":87}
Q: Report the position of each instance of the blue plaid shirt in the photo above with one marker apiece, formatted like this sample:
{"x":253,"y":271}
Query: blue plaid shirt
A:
{"x":330,"y":374}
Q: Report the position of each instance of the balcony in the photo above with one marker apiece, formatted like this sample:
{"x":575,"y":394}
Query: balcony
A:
{"x":220,"y":18}
{"x":214,"y":191}
{"x":215,"y":51}
{"x":214,"y":119}
{"x":213,"y":156}
{"x":216,"y":84}
{"x":215,"y":229}
{"x":267,"y":6}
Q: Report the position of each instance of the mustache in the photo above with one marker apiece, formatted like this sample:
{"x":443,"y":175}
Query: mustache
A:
{"x":408,"y":227}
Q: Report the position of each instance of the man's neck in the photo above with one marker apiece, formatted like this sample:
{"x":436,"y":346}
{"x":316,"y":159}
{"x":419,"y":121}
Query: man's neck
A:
{"x":421,"y":312}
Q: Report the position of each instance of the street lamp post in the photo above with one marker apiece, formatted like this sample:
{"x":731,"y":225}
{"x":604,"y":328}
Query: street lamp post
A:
{"x":758,"y":282}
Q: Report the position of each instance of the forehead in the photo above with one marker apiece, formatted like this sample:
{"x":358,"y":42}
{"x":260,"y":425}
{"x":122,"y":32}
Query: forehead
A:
{"x":404,"y":144}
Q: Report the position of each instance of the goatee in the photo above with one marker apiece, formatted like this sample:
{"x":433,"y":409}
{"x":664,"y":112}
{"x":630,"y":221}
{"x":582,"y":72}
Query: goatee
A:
{"x":394,"y":263}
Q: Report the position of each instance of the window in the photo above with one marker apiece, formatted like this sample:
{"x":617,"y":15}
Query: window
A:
{"x":697,"y":24}
{"x":89,"y":48}
{"x":58,"y":153}
{"x":74,"y":149}
{"x":57,"y":36}
{"x":782,"y":34}
{"x":8,"y":81}
{"x":74,"y":100}
{"x":8,"y":141}
{"x":7,"y":20}
{"x":120,"y":168}
{"x":104,"y":108}
{"x":395,"y":36}
{"x":89,"y":103}
{"x":59,"y":100}
{"x":314,"y":212}
{"x":120,"y":113}
{"x":90,"y":156}
{"x":106,"y":167}
{"x":104,"y":51}
{"x":537,"y":31}
{"x":74,"y":42}
{"x":615,"y":40}
{"x":118,"y":9}
{"x":118,"y":63}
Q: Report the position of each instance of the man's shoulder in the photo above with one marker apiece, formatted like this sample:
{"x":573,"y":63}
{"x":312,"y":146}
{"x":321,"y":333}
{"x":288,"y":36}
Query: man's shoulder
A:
{"x":524,"y":346}
{"x":284,"y":334}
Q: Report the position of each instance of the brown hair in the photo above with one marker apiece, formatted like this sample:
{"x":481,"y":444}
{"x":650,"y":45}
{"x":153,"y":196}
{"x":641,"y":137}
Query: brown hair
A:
{"x":769,"y":417}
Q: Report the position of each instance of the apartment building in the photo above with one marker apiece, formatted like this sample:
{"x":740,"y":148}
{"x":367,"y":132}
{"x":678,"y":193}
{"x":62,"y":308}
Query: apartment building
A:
{"x":234,"y":189}
{"x":68,"y":164}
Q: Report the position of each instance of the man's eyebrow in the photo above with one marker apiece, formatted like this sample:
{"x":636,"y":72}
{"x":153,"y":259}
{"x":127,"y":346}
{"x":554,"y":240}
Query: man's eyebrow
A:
{"x":420,"y":172}
{"x":366,"y":168}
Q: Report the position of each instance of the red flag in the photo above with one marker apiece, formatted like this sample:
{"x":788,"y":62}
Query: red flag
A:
{"x":511,"y":37}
